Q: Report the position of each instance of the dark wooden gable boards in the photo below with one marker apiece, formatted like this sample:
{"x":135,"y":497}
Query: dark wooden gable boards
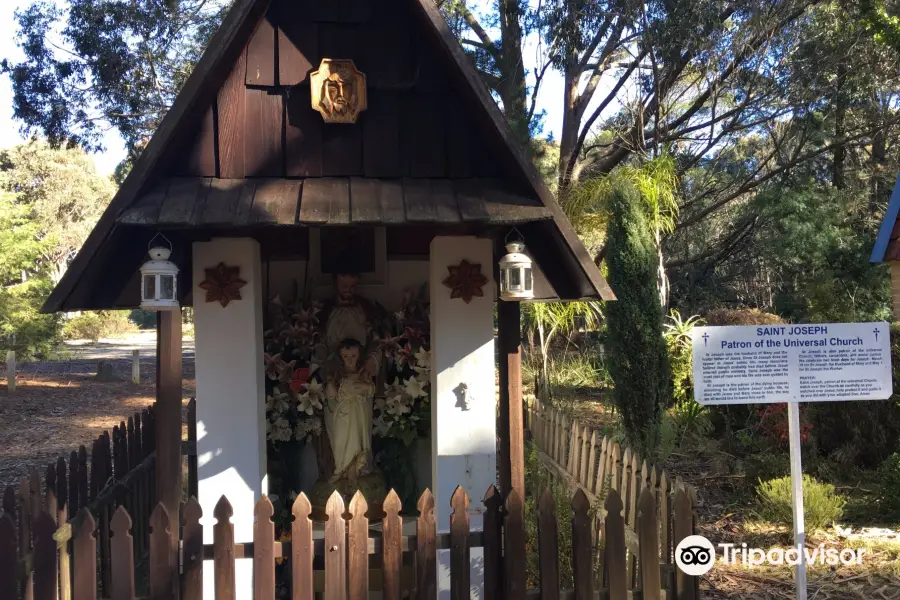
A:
{"x":262,"y":125}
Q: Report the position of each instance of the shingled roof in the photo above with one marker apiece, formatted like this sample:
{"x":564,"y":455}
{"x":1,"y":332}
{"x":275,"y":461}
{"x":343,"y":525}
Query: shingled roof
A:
{"x":150,"y":197}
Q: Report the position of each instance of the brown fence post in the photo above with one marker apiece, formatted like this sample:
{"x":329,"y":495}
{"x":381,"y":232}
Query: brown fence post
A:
{"x":301,"y":550}
{"x":122,"y":557}
{"x":514,"y":556}
{"x":44,"y":565}
{"x":548,"y":546}
{"x":614,"y":529}
{"x":684,"y":527}
{"x":358,"y":549}
{"x":8,"y":557}
{"x":85,"y":560}
{"x":648,"y":536}
{"x":74,"y":506}
{"x":25,"y":523}
{"x":459,"y":545}
{"x":392,"y":553}
{"x":223,"y":551}
{"x":426,"y":549}
{"x":335,"y":549}
{"x":160,"y":561}
{"x":493,"y":543}
{"x":65,"y":566}
{"x":582,"y":540}
{"x":192,"y":578}
{"x":193,"y":478}
{"x":263,"y":550}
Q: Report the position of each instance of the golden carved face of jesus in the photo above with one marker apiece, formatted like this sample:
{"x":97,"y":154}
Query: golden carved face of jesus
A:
{"x":338,"y":91}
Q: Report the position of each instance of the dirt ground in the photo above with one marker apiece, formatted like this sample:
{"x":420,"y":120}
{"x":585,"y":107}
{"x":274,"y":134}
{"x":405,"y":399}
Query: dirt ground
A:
{"x":59,"y":405}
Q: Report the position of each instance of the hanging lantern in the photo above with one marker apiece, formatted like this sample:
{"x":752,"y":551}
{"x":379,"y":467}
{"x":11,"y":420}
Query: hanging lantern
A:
{"x":516,"y":278}
{"x":159,"y":279}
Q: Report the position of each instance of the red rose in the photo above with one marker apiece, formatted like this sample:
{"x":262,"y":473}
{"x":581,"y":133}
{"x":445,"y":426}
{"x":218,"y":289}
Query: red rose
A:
{"x":299,"y":378}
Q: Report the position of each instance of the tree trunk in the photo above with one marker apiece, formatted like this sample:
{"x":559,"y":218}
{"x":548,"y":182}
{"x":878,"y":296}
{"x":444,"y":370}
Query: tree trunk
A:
{"x":569,"y":136}
{"x":840,"y":113}
{"x":512,"y":89}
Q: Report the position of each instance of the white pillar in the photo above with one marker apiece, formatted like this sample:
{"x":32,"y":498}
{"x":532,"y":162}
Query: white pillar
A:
{"x":464,"y":440}
{"x":231,"y":444}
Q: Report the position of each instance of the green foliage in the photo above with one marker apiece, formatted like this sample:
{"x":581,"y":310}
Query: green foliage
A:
{"x":145,"y":319}
{"x":96,"y":325}
{"x":22,"y":288}
{"x":135,"y":56}
{"x":679,"y":343}
{"x":822,"y":505}
{"x":588,"y":205}
{"x":536,"y":481}
{"x":637,"y":357}
{"x":889,"y":477}
{"x":62,"y":194}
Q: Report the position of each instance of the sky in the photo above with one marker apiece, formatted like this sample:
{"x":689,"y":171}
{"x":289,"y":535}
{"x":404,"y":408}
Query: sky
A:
{"x":549,"y":98}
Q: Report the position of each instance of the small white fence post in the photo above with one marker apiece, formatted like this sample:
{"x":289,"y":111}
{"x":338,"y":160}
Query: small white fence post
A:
{"x":11,"y":370}
{"x":136,"y":367}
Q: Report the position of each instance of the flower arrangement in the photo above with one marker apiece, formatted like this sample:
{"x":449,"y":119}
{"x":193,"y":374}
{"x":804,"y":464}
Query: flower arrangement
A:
{"x":404,"y":411}
{"x":294,"y":402}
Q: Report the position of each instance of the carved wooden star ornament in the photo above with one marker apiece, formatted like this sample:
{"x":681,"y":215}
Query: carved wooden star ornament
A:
{"x":465,"y":281}
{"x":223,"y":284}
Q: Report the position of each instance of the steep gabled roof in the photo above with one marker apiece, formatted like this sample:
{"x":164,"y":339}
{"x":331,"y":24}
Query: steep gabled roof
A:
{"x":212,"y":70}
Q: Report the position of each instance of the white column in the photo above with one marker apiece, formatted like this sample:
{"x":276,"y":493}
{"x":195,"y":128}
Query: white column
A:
{"x":231,"y":444}
{"x":464,"y":440}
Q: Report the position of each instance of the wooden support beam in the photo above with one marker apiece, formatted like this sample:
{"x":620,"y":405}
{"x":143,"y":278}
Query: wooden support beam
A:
{"x":512,"y":425}
{"x":168,"y":425}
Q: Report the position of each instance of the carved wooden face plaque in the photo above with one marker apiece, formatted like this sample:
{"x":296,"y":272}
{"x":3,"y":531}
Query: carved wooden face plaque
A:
{"x":338,"y":90}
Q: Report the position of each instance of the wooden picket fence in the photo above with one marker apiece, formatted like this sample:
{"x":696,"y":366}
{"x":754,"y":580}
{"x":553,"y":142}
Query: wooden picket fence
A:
{"x":118,"y":472}
{"x":348,"y":551}
{"x":596,"y":465}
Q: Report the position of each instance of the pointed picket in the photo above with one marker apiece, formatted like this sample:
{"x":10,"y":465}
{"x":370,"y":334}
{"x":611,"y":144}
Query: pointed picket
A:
{"x":582,"y":540}
{"x":223,"y":551}
{"x":392,"y":553}
{"x":335,"y":549}
{"x":358,"y":548}
{"x":493,"y":543}
{"x":85,"y":558}
{"x":426,"y":548}
{"x":614,"y":529}
{"x":264,"y":549}
{"x":548,"y":546}
{"x":192,"y":577}
{"x":161,"y":561}
{"x":459,"y":545}
{"x":122,"y":583}
{"x":301,"y":550}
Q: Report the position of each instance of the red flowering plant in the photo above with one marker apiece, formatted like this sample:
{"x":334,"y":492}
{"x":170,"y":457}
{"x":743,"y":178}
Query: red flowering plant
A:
{"x":294,"y":402}
{"x":773,"y":424}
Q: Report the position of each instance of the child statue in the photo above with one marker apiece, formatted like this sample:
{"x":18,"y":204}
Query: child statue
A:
{"x":348,"y":414}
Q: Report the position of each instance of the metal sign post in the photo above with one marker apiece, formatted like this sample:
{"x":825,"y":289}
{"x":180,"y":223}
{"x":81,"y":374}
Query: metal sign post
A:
{"x":792,"y":364}
{"x":797,"y":496}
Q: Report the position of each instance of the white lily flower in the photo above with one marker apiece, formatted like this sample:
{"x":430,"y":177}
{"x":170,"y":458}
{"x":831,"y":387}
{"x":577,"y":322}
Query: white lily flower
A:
{"x":315,"y":389}
{"x":423,"y":361}
{"x":414,"y":388}
{"x":307,"y":403}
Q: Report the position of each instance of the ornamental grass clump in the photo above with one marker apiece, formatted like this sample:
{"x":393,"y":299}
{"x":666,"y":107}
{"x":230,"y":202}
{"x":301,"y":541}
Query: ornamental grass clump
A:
{"x":822,"y":505}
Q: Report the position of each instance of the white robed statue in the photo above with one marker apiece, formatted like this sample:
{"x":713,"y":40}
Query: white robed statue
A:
{"x":348,"y":414}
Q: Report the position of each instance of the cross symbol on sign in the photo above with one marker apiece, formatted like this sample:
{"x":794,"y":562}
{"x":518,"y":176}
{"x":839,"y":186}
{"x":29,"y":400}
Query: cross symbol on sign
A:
{"x":705,"y":339}
{"x":876,"y":332}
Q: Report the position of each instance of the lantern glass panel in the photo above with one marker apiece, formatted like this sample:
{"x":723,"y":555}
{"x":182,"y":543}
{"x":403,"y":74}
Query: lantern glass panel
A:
{"x":515,"y":279}
{"x":503,"y":285}
{"x":149,"y":287}
{"x":529,"y":280}
{"x":167,"y":285}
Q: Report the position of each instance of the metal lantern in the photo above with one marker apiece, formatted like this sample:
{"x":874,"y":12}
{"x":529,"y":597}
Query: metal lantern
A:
{"x":159,"y":280}
{"x":516,"y":274}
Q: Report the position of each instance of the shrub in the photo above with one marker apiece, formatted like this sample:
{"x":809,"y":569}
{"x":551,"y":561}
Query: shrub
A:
{"x":536,"y":479}
{"x":889,"y":476}
{"x":822,"y":505}
{"x":637,"y":356}
{"x":96,"y":325}
{"x":742,"y":316}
